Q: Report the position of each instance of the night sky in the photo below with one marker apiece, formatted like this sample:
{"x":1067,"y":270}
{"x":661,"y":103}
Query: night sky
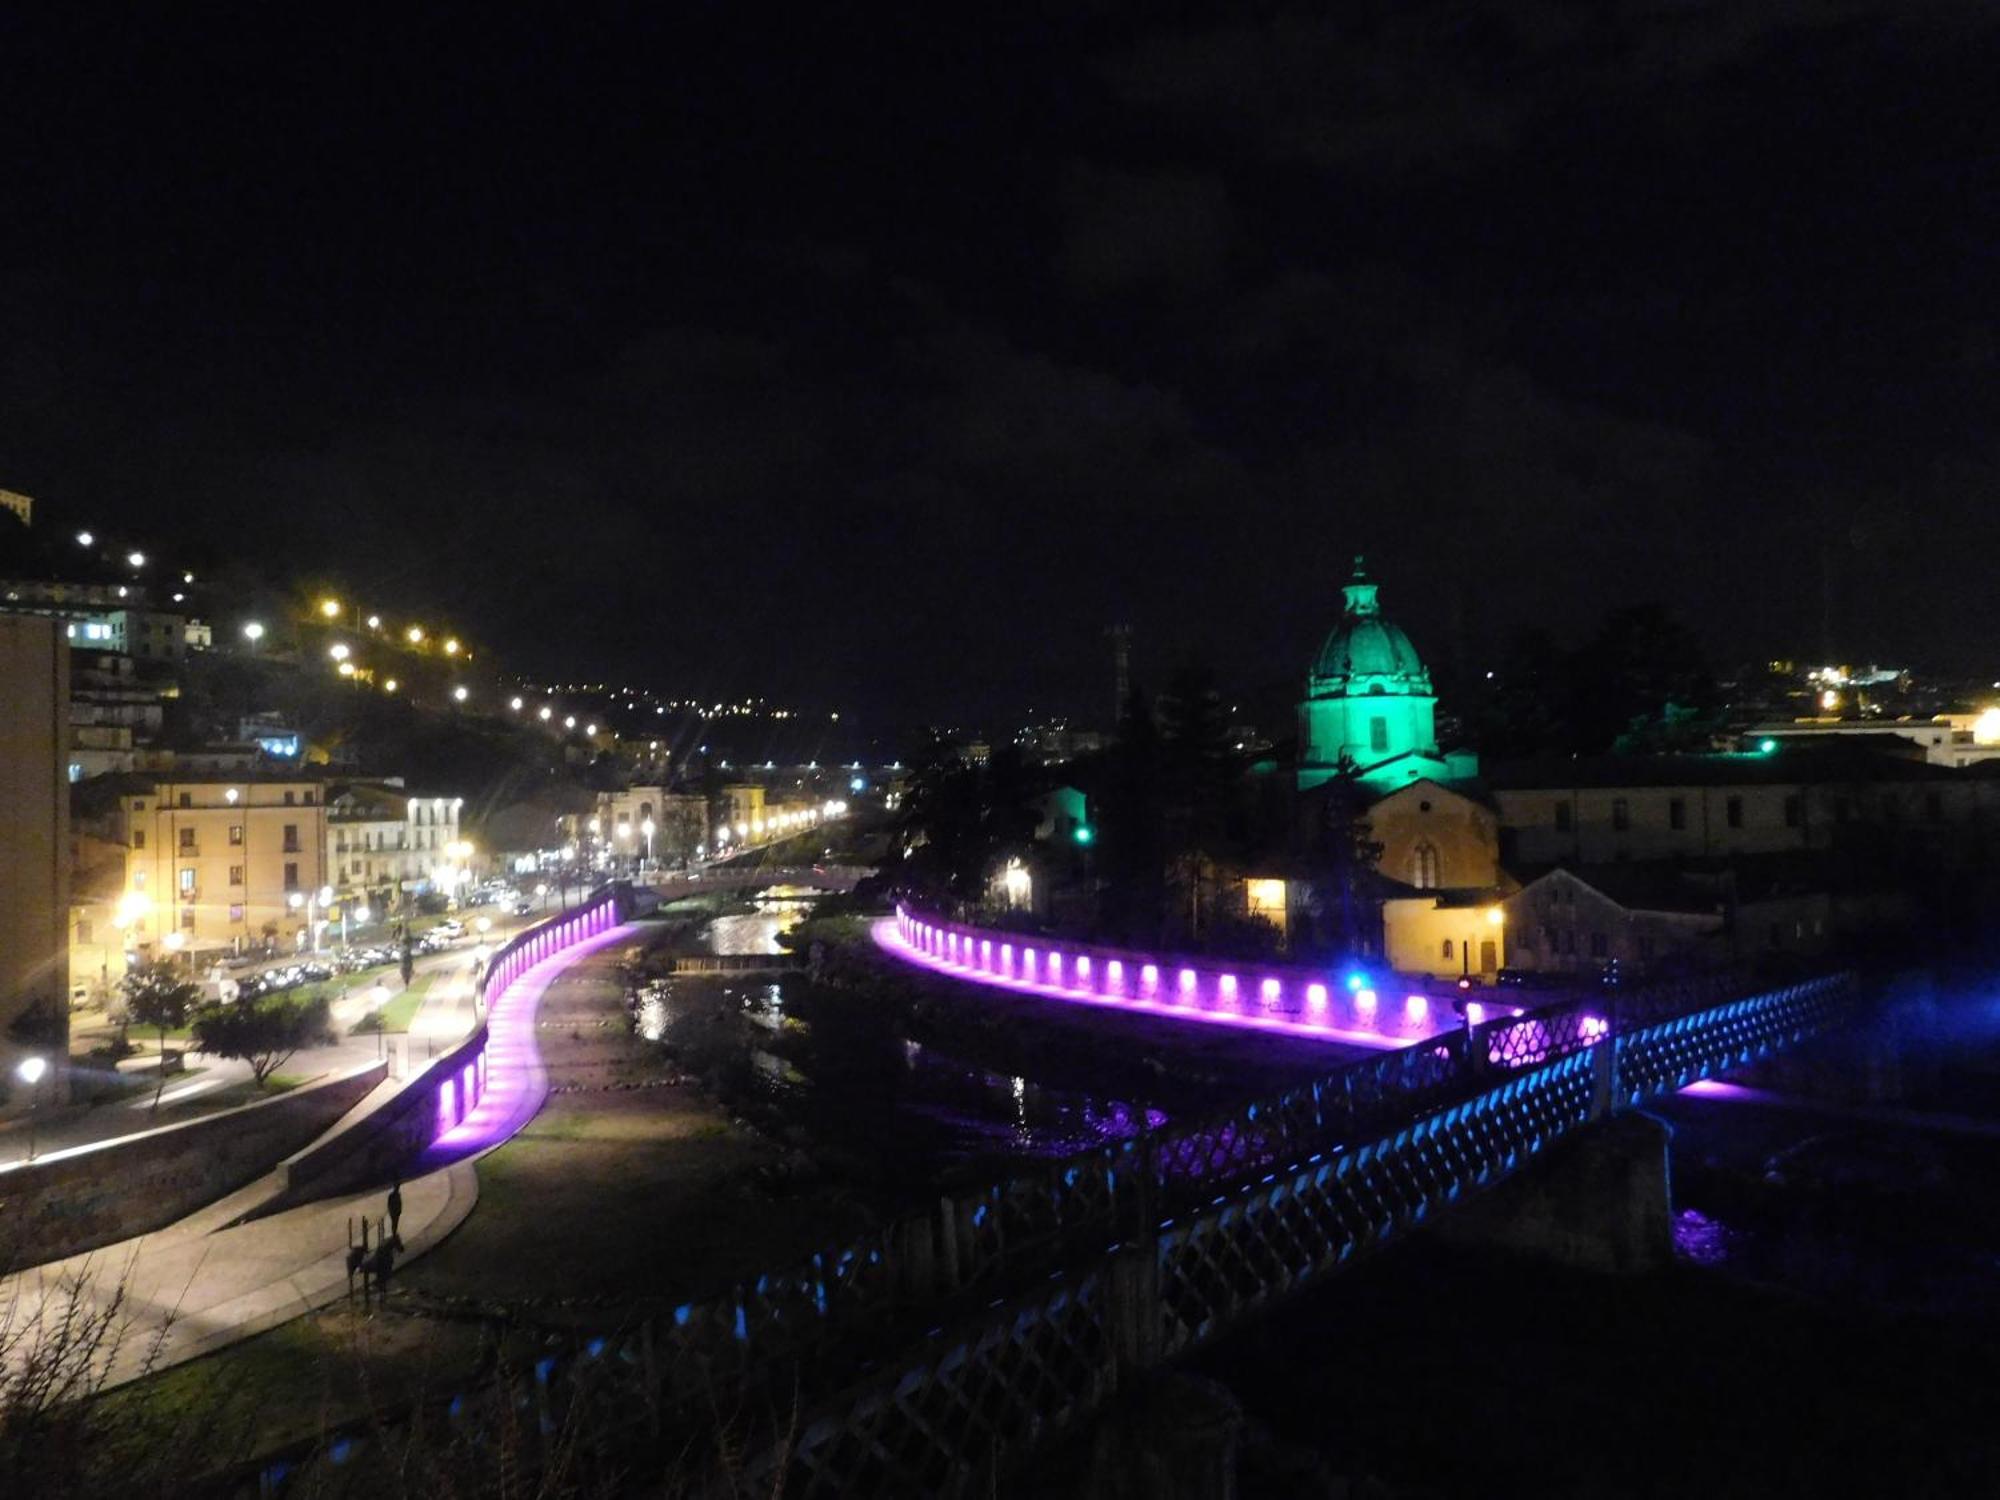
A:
{"x":879,"y":361}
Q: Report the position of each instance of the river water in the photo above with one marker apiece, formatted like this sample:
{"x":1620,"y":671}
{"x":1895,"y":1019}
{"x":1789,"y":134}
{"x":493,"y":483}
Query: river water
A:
{"x":829,"y":1074}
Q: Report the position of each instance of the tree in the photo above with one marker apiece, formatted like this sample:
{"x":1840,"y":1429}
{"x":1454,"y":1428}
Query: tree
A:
{"x":159,"y":993}
{"x":1344,"y":854}
{"x":406,"y":963}
{"x":264,"y":1032}
{"x":1200,"y":784}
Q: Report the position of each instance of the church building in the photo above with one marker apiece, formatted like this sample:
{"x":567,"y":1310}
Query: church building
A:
{"x":1369,"y":713}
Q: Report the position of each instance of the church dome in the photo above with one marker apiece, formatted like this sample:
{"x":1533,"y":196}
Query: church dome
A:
{"x":1366,"y":646}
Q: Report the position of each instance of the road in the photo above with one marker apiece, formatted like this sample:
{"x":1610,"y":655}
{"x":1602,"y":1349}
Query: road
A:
{"x":445,"y":1014}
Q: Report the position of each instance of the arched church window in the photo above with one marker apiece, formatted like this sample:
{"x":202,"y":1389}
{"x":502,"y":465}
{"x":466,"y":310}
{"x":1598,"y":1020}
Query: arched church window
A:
{"x":1378,"y":733}
{"x":1447,"y":947}
{"x":1424,"y":868}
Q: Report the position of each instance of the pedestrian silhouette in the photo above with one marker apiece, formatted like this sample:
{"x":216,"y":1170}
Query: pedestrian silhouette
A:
{"x":357,"y":1255}
{"x":381,"y":1263}
{"x":396,"y":1207}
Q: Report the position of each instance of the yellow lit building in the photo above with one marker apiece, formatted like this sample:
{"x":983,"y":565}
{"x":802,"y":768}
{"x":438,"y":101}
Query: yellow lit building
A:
{"x":211,"y":863}
{"x":1450,"y":934}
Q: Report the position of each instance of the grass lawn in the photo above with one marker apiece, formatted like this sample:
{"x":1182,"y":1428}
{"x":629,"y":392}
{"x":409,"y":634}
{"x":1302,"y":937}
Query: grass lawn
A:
{"x":397,"y":1014}
{"x":299,"y":1379}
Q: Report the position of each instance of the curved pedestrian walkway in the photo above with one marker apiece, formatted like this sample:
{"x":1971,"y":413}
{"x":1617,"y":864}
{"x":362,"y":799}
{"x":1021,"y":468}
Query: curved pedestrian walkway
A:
{"x":208,"y":1281}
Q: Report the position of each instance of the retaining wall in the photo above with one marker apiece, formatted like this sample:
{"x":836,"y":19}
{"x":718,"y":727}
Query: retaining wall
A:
{"x":87,"y":1196}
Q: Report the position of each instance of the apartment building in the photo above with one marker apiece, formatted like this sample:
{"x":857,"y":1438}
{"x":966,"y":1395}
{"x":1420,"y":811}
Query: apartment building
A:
{"x":212,"y":863}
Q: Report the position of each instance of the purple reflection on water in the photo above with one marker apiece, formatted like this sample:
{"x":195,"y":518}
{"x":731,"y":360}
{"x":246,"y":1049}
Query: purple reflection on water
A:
{"x":1701,"y":1240}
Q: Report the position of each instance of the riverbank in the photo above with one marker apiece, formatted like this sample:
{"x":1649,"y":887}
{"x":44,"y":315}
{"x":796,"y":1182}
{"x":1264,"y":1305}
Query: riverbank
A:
{"x":631,"y":1189}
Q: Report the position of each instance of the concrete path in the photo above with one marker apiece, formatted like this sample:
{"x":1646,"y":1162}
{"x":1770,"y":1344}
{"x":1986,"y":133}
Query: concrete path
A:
{"x":200,"y":1285}
{"x":180,"y":1293}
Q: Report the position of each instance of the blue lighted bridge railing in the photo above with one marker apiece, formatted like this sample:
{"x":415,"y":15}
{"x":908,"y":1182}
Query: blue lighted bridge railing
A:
{"x":1022,"y":1305}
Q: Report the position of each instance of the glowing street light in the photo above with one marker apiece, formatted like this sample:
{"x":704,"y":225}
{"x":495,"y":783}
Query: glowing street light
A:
{"x":515,"y":704}
{"x":546,"y":713}
{"x":85,"y":539}
{"x":569,"y":721}
{"x":31,"y":1070}
{"x":374,"y":622}
{"x":389,"y":686}
{"x":339,"y":651}
{"x":414,"y":635}
{"x":451,"y":646}
{"x":330,"y":608}
{"x":461,"y":693}
{"x":136,"y":559}
{"x":253,"y":632}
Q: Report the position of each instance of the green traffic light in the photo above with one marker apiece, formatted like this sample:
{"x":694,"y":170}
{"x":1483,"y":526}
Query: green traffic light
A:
{"x":1084,"y":833}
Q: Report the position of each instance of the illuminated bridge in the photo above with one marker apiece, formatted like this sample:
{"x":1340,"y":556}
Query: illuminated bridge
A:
{"x":932,"y":1356}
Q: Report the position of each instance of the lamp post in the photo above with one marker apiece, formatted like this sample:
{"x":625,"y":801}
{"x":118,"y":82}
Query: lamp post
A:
{"x":312,"y":901}
{"x":30,"y":1070}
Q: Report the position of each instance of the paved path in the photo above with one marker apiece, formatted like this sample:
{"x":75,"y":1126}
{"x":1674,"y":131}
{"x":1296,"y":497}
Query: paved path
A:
{"x":198,"y":1286}
{"x":445,"y":1014}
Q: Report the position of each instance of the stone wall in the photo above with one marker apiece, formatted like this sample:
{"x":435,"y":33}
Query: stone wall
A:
{"x":79,"y":1199}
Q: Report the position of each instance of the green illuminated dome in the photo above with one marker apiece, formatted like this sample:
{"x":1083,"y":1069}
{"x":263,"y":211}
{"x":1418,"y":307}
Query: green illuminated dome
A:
{"x":1366,"y":646}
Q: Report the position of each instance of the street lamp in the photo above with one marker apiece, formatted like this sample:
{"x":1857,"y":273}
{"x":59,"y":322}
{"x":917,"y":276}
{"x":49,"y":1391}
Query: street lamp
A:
{"x":85,"y":539}
{"x":31,"y":1070}
{"x":136,"y":559}
{"x":330,"y":608}
{"x":460,"y":693}
{"x":253,"y":632}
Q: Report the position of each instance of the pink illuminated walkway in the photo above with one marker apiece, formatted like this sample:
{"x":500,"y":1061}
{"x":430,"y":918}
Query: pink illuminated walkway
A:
{"x":1289,"y":1002}
{"x":514,"y":1082}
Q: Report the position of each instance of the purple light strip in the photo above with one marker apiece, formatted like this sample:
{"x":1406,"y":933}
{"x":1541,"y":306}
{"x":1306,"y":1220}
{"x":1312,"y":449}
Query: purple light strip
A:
{"x":514,"y":1080}
{"x":1134,"y":982}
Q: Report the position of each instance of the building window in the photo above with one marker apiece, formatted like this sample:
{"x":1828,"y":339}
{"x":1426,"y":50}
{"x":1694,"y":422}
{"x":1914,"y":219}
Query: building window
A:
{"x":139,"y":805}
{"x":1795,"y":810}
{"x":291,"y":838}
{"x":187,"y":880}
{"x":138,"y":838}
{"x":291,"y":798}
{"x":187,"y":838}
{"x":1562,"y":817}
{"x":1621,"y":814}
{"x":187,"y":799}
{"x":235,"y":913}
{"x":291,"y":876}
{"x":1677,"y":813}
{"x":1733,"y":812}
{"x":1447,"y":948}
{"x":236,"y":874}
{"x":236,"y":834}
{"x":1598,"y":947}
{"x":1378,"y":734}
{"x":138,"y":880}
{"x":1424,"y":867}
{"x":187,"y":920}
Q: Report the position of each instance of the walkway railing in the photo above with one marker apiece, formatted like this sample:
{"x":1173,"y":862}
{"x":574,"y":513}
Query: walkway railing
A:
{"x":1022,"y":1305}
{"x":439,"y":1104}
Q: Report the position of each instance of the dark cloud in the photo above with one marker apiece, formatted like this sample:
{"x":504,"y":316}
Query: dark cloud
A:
{"x":637,"y":346}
